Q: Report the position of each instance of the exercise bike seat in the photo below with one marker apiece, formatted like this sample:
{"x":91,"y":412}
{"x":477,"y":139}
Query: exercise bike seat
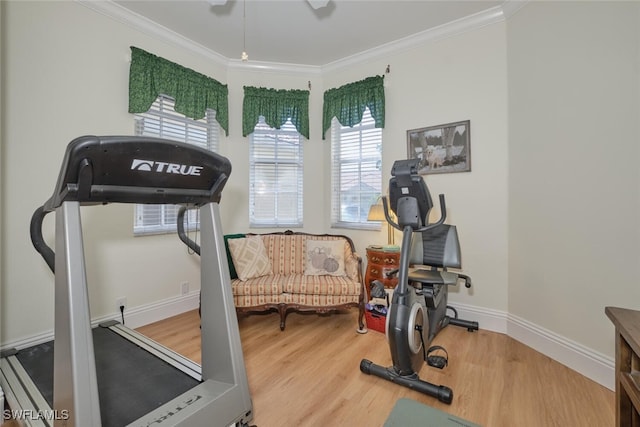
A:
{"x":439,"y":247}
{"x":433,"y":277}
{"x":436,"y":250}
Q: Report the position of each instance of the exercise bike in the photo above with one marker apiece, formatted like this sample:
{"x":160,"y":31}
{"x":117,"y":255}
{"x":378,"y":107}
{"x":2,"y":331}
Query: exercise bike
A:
{"x":418,"y":309}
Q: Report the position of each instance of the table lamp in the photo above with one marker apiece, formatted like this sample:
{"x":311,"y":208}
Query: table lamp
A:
{"x":376,"y":213}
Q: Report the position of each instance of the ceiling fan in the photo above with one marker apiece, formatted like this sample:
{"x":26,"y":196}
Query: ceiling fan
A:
{"x":315,"y":4}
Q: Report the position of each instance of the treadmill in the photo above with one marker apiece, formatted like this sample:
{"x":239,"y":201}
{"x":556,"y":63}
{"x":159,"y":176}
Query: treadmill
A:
{"x":111,"y":375}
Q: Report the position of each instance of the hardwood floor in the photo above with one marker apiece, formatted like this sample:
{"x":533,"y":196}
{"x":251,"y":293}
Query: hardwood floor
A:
{"x":309,"y":375}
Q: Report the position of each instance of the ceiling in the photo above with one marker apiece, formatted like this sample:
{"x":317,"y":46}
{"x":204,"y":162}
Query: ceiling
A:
{"x":292,"y":32}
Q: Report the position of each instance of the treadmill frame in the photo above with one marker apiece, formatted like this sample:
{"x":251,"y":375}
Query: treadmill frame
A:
{"x":223,"y":394}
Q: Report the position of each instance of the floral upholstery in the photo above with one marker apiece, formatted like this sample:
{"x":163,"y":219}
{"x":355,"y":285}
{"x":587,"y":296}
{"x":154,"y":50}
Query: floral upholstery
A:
{"x":276,"y":284}
{"x":288,"y":288}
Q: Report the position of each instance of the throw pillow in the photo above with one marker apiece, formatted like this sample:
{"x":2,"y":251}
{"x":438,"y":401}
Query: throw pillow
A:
{"x":249,"y":257}
{"x":232,"y":268}
{"x":324,"y":257}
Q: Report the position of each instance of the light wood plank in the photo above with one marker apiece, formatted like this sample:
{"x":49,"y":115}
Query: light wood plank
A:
{"x":309,"y":375}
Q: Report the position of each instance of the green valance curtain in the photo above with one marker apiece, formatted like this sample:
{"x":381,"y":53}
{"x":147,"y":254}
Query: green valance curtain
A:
{"x":277,"y":106}
{"x":347,"y":103}
{"x":150,"y":76}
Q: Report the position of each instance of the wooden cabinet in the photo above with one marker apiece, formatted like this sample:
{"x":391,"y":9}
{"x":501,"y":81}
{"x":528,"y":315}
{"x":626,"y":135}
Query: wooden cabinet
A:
{"x":627,"y":323}
{"x":379,"y":263}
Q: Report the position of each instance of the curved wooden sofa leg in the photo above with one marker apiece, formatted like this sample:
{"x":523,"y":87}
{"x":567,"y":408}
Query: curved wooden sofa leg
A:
{"x":282,"y":310}
{"x":362,"y":329}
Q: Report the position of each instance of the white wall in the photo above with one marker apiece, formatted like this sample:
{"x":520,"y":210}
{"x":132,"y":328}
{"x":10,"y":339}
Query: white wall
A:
{"x":2,"y":35}
{"x":76,"y":61}
{"x":574,"y":201}
{"x":452,"y":79}
{"x":66,"y":71}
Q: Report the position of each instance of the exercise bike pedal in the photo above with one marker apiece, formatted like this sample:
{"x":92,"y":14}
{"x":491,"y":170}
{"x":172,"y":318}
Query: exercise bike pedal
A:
{"x":437,"y":361}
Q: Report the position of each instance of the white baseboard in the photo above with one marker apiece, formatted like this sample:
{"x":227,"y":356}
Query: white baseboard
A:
{"x":488,"y":319}
{"x":143,"y":315}
{"x":593,"y":365}
{"x":134,"y":318}
{"x":28,"y":341}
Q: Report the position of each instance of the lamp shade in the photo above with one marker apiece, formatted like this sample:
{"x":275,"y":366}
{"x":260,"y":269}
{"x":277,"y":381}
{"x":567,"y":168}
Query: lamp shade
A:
{"x":376,"y":213}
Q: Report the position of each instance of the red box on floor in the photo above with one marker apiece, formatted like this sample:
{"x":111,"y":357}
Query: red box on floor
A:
{"x":375,"y":321}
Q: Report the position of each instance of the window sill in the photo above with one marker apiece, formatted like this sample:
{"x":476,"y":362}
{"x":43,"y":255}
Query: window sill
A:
{"x":262,"y":225}
{"x":372,"y":226}
{"x":159,"y":231}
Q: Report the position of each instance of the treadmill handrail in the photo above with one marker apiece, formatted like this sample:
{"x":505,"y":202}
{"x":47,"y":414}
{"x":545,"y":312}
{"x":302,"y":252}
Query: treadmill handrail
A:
{"x":38,"y":240}
{"x":132,"y":169}
{"x":191,"y":244}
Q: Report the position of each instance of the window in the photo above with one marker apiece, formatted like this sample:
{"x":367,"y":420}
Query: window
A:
{"x":275,"y":176}
{"x":162,"y":121}
{"x":356,"y":178}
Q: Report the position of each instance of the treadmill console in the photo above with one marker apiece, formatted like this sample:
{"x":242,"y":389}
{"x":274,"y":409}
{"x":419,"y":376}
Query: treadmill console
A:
{"x":136,"y":169}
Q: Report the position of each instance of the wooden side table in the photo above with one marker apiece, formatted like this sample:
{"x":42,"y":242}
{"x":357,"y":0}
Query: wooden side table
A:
{"x":379,"y":263}
{"x":627,"y":323}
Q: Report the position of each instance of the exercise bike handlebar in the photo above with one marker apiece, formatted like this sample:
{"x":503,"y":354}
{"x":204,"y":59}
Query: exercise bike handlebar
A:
{"x":443,"y":216}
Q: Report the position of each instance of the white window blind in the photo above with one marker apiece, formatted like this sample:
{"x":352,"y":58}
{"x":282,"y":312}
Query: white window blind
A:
{"x":275,"y":176}
{"x":356,"y":176}
{"x":162,"y":121}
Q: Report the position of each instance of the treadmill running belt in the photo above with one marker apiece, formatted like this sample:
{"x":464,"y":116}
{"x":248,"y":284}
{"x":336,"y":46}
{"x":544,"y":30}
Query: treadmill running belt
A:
{"x":131,"y":381}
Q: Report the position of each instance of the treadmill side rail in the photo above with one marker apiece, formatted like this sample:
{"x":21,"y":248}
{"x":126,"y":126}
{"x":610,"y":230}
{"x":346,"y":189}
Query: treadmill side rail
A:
{"x":22,"y":395}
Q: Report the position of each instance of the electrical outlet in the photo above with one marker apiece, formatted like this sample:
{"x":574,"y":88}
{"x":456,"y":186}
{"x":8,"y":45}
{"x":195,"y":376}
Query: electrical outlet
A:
{"x":184,"y":288}
{"x":121,"y":302}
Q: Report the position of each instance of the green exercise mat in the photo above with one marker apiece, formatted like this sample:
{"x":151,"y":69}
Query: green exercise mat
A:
{"x":409,"y":413}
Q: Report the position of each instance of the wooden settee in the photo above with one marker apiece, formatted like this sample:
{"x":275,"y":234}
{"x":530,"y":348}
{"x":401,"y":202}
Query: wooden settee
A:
{"x":319,"y":273}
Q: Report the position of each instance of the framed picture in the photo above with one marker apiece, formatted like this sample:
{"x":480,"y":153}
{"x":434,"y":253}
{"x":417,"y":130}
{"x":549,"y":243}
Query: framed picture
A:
{"x":441,"y":149}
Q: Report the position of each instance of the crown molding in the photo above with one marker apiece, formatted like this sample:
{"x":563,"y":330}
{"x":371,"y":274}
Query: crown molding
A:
{"x":274,"y":67}
{"x":472,"y":22}
{"x":450,"y":29}
{"x":145,"y":25}
{"x":510,"y":7}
